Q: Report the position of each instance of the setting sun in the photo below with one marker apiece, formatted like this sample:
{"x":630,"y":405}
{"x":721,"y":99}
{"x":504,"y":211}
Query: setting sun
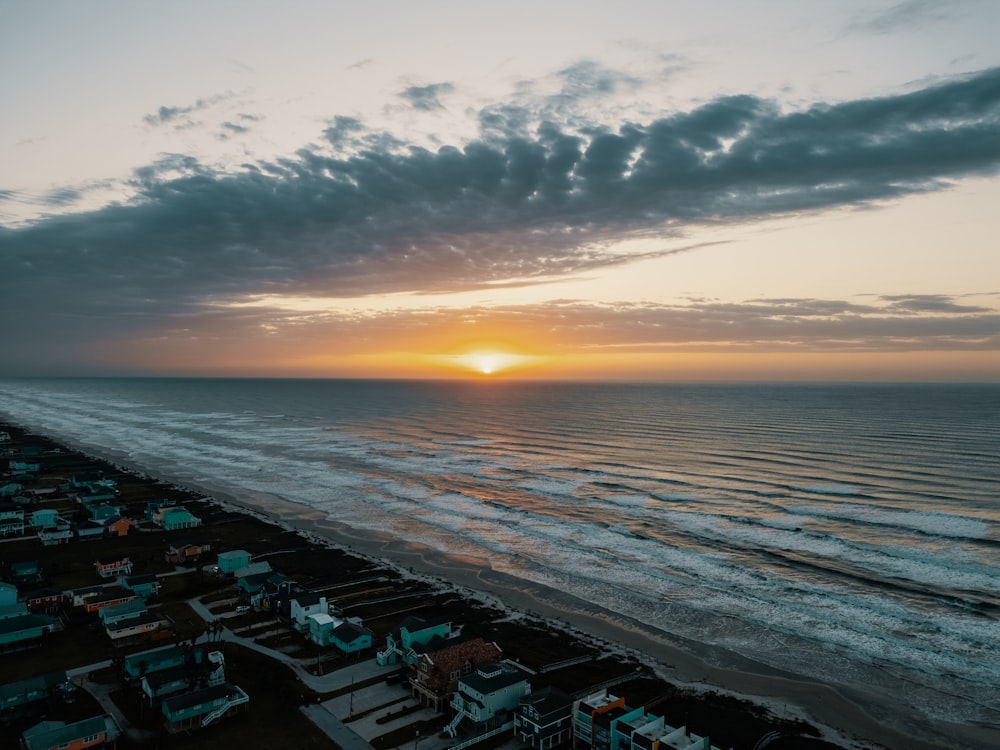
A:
{"x":490,"y":362}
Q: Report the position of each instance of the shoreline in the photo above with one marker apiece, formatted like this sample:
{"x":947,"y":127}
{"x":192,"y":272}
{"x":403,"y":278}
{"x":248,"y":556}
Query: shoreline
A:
{"x":838,"y":712}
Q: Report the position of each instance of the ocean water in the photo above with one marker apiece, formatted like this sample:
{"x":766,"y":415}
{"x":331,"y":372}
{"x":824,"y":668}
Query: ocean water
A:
{"x":844,"y":532}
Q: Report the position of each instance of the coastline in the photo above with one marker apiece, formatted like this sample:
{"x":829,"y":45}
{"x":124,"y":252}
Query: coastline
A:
{"x":843,"y":715}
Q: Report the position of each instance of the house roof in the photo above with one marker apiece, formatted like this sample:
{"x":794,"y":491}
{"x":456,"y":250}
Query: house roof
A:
{"x":24,"y":622}
{"x":446,"y":661}
{"x":41,"y":683}
{"x":414,"y":623}
{"x":307,"y":600}
{"x":142,"y":618}
{"x":234,"y":554}
{"x":141,"y":580}
{"x":490,"y":678}
{"x":54,"y":733}
{"x":348,"y":631}
{"x":42,"y":594}
{"x":109,"y":594}
{"x":548,"y":700}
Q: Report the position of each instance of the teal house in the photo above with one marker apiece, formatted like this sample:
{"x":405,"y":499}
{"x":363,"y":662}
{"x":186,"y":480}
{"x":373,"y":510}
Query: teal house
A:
{"x":158,"y":659}
{"x":174,"y":518}
{"x":414,"y":632}
{"x":233,"y":560}
{"x":142,"y":585}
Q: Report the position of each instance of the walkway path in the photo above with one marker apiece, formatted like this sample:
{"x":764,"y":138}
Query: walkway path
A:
{"x":341,"y":678}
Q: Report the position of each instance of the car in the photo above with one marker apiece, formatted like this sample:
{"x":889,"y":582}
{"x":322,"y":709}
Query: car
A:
{"x":242,"y":609}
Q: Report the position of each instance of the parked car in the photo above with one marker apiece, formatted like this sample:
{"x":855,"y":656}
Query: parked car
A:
{"x":242,"y":609}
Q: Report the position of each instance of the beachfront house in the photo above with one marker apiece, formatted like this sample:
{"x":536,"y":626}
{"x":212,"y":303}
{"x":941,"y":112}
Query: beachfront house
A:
{"x":415,"y":635}
{"x":252,"y":569}
{"x":231,"y":561}
{"x":10,"y":489}
{"x":96,"y":732}
{"x":602,"y":721}
{"x":624,"y":728}
{"x":585,"y":713}
{"x":116,"y":565}
{"x":175,"y":518}
{"x":544,"y":720}
{"x":200,"y":708}
{"x":487,"y":698}
{"x":438,"y":672}
{"x":154,"y":508}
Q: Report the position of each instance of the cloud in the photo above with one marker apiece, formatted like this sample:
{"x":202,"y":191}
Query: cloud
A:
{"x":533,"y":197}
{"x":176,"y":115}
{"x":567,"y":327}
{"x":426,"y":98}
{"x":910,"y":14}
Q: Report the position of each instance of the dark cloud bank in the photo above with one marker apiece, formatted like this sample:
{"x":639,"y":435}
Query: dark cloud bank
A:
{"x":366,"y":213}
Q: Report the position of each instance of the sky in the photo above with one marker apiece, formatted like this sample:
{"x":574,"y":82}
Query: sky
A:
{"x":640,"y":190}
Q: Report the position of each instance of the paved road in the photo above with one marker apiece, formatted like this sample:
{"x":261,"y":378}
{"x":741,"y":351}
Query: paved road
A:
{"x":341,"y":678}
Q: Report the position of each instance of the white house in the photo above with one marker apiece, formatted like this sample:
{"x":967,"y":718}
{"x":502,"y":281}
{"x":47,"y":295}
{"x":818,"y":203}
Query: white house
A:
{"x":304,"y":605}
{"x":488,"y":697}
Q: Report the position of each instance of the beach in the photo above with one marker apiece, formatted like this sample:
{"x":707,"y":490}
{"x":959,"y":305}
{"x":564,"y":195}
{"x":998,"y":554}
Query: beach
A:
{"x":859,"y":714}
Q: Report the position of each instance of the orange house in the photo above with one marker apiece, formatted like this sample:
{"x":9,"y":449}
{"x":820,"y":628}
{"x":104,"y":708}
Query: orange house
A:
{"x":95,"y":732}
{"x":109,"y":597}
{"x":118,"y":526}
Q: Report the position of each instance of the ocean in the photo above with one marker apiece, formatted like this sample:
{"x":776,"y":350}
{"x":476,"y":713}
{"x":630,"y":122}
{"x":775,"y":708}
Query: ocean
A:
{"x":847,"y":533}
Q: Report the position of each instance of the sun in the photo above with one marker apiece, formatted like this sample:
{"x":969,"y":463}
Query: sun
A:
{"x":488,"y":363}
